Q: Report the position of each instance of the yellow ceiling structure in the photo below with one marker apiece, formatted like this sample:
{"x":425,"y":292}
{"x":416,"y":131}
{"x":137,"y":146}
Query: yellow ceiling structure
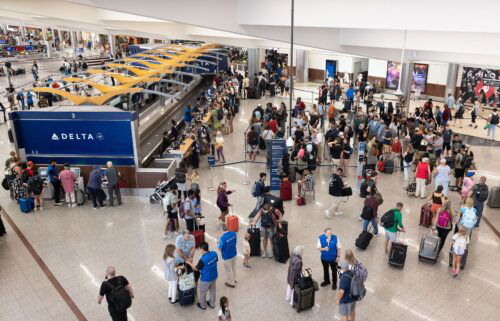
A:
{"x":151,"y":72}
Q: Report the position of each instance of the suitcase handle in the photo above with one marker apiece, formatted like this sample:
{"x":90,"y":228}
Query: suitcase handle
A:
{"x":398,"y":238}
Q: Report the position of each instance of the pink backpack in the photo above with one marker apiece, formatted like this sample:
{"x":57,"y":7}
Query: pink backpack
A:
{"x":444,"y":219}
{"x":301,"y":153}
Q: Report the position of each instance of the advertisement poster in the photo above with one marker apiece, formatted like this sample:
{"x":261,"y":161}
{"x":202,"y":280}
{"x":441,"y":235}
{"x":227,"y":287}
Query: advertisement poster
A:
{"x":419,"y":79}
{"x":476,"y":81}
{"x":278,"y":149}
{"x":393,"y":74}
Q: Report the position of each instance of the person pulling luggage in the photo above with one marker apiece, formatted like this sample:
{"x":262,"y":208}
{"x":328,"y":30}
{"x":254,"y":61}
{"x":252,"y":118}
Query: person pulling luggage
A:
{"x":270,"y":218}
{"x":330,"y":248}
{"x":294,"y":270}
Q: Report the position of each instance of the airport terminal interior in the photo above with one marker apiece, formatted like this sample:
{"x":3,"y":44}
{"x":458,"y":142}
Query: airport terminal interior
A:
{"x":249,"y":160}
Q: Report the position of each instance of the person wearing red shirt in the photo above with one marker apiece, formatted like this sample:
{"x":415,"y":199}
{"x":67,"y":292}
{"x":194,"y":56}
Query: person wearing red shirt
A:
{"x":273,"y":125}
{"x":422,"y":174}
{"x":446,"y":115}
{"x":428,"y":105}
{"x":301,"y":104}
{"x":396,"y":152}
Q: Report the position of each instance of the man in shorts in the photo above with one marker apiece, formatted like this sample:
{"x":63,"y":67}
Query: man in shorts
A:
{"x":391,"y":233}
{"x":459,"y":168}
{"x":347,"y":306}
{"x":253,"y":143}
{"x":270,"y":219}
{"x":170,"y":207}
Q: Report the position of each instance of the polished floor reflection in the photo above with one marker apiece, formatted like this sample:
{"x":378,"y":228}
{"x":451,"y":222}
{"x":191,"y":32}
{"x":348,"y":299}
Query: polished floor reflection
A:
{"x":78,"y":243}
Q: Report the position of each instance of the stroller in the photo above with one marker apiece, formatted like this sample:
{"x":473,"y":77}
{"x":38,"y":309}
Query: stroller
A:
{"x":161,"y":190}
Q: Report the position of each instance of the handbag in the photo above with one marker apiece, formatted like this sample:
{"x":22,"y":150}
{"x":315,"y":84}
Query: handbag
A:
{"x":305,"y":280}
{"x":186,"y":282}
{"x":347,"y":191}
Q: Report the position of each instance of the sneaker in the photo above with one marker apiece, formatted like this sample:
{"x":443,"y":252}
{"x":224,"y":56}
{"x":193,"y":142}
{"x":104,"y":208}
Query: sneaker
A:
{"x":248,"y":267}
{"x":387,"y":256}
{"x":338,"y":213}
{"x":327,"y":214}
{"x":228,"y":285}
{"x":35,"y":209}
{"x":199,"y":306}
{"x":176,"y":233}
{"x":334,"y":287}
{"x":376,"y":234}
{"x":41,"y":209}
{"x":270,"y":255}
{"x":211,"y":306}
{"x":263,"y":255}
{"x":360,"y":218}
{"x":476,"y":228}
{"x":58,"y":204}
{"x":69,"y":205}
{"x":94,"y":208}
{"x":74,"y":205}
{"x":323,"y":284}
{"x":165,"y":236}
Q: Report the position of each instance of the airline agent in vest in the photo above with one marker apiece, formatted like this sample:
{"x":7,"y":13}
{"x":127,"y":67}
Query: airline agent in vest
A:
{"x":207,"y":266}
{"x":330,"y":248}
{"x":227,"y":246}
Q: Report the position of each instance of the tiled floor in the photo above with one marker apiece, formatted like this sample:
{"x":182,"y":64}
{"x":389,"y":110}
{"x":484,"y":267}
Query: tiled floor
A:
{"x":77,"y":244}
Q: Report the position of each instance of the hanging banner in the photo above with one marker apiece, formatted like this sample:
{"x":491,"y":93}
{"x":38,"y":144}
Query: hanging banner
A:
{"x":278,"y":149}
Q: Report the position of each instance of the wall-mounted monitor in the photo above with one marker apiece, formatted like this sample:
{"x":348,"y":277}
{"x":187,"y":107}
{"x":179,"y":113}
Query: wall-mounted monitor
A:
{"x":419,"y":78}
{"x":393,"y":74}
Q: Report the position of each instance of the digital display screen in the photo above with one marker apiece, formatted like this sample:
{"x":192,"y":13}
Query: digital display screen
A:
{"x":393,"y":74}
{"x":419,"y":78}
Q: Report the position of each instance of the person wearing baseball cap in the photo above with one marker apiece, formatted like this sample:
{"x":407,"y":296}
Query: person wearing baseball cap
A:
{"x":347,"y":306}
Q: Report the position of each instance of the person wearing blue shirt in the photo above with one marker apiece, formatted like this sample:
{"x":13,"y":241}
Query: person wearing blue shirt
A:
{"x":350,"y":93}
{"x":29,"y":100}
{"x":330,"y":247}
{"x":207,"y":266}
{"x":373,"y":126}
{"x":347,"y":306}
{"x":20,"y":99}
{"x":227,"y":247}
{"x":259,"y":190}
{"x":53,"y":175}
{"x":188,"y":115}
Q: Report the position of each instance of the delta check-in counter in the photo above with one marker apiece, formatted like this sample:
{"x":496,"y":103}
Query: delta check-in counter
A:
{"x":83,"y":136}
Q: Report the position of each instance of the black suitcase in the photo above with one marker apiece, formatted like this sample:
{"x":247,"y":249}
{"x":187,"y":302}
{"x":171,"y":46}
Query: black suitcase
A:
{"x":187,"y":297}
{"x":388,"y":166}
{"x":462,"y":261}
{"x":303,"y":299}
{"x":281,"y":251}
{"x":363,"y":240}
{"x":262,"y":144}
{"x":254,"y":241}
{"x":293,"y":174}
{"x":397,"y":256}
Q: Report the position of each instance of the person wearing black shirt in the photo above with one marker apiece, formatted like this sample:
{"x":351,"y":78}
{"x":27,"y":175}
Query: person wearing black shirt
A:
{"x":112,"y":281}
{"x":335,"y":189}
{"x":336,"y":148}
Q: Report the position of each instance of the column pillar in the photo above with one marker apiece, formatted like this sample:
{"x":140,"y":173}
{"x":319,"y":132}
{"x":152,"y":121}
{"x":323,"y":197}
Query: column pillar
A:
{"x":151,"y":40}
{"x":302,"y":69}
{"x":451,"y":80}
{"x":111,"y":40}
{"x":261,"y":57}
{"x":253,"y":63}
{"x":406,"y":76}
{"x":23,"y":33}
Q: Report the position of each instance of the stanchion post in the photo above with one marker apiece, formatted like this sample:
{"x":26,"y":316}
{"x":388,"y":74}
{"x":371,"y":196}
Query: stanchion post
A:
{"x":211,"y":187}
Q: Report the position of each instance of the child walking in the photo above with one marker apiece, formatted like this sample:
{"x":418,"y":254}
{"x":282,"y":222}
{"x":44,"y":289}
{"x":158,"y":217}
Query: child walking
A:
{"x":246,"y":251}
{"x":459,"y":247}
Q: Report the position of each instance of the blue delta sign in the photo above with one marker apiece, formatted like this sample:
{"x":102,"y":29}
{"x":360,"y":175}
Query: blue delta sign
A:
{"x":80,"y":138}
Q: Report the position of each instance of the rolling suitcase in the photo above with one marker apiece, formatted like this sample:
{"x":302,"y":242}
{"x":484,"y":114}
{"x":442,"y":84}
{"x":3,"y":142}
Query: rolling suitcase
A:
{"x":429,"y":247}
{"x":397,"y":256}
{"x":232,"y":223}
{"x":494,"y":198}
{"x":186,"y":297}
{"x":199,"y":237}
{"x":26,"y":204}
{"x":462,"y":261}
{"x":281,"y":251}
{"x":388,"y":166}
{"x":303,"y":299}
{"x":426,"y":215}
{"x":363,"y":240}
{"x":254,"y":241}
{"x":286,"y":190}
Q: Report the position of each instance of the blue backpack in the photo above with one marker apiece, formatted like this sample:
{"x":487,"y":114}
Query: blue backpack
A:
{"x":469,"y":217}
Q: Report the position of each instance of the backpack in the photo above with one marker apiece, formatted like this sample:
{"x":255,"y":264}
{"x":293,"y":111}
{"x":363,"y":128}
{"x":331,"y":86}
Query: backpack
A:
{"x":367,"y":213}
{"x":387,"y":220}
{"x":494,"y":119}
{"x":358,"y":290}
{"x":5,"y":184}
{"x":331,"y":111}
{"x":120,"y":297}
{"x":167,"y":207}
{"x":254,"y":189}
{"x":180,"y":209}
{"x":36,"y":184}
{"x":469,"y":218}
{"x":360,"y":270}
{"x":466,"y":161}
{"x":220,"y":114}
{"x":481,"y":193}
{"x":444,"y":219}
{"x":266,"y":219}
{"x":381,"y":166}
{"x":180,"y":177}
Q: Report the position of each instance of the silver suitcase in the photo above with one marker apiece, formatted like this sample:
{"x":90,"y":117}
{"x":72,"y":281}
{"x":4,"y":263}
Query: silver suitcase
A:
{"x":494,"y":198}
{"x":429,"y":247}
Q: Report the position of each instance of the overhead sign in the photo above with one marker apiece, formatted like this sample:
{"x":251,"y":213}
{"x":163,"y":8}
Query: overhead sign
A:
{"x":84,"y":138}
{"x":278,"y":149}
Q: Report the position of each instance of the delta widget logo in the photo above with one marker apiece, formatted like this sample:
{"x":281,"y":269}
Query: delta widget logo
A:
{"x":77,"y":136}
